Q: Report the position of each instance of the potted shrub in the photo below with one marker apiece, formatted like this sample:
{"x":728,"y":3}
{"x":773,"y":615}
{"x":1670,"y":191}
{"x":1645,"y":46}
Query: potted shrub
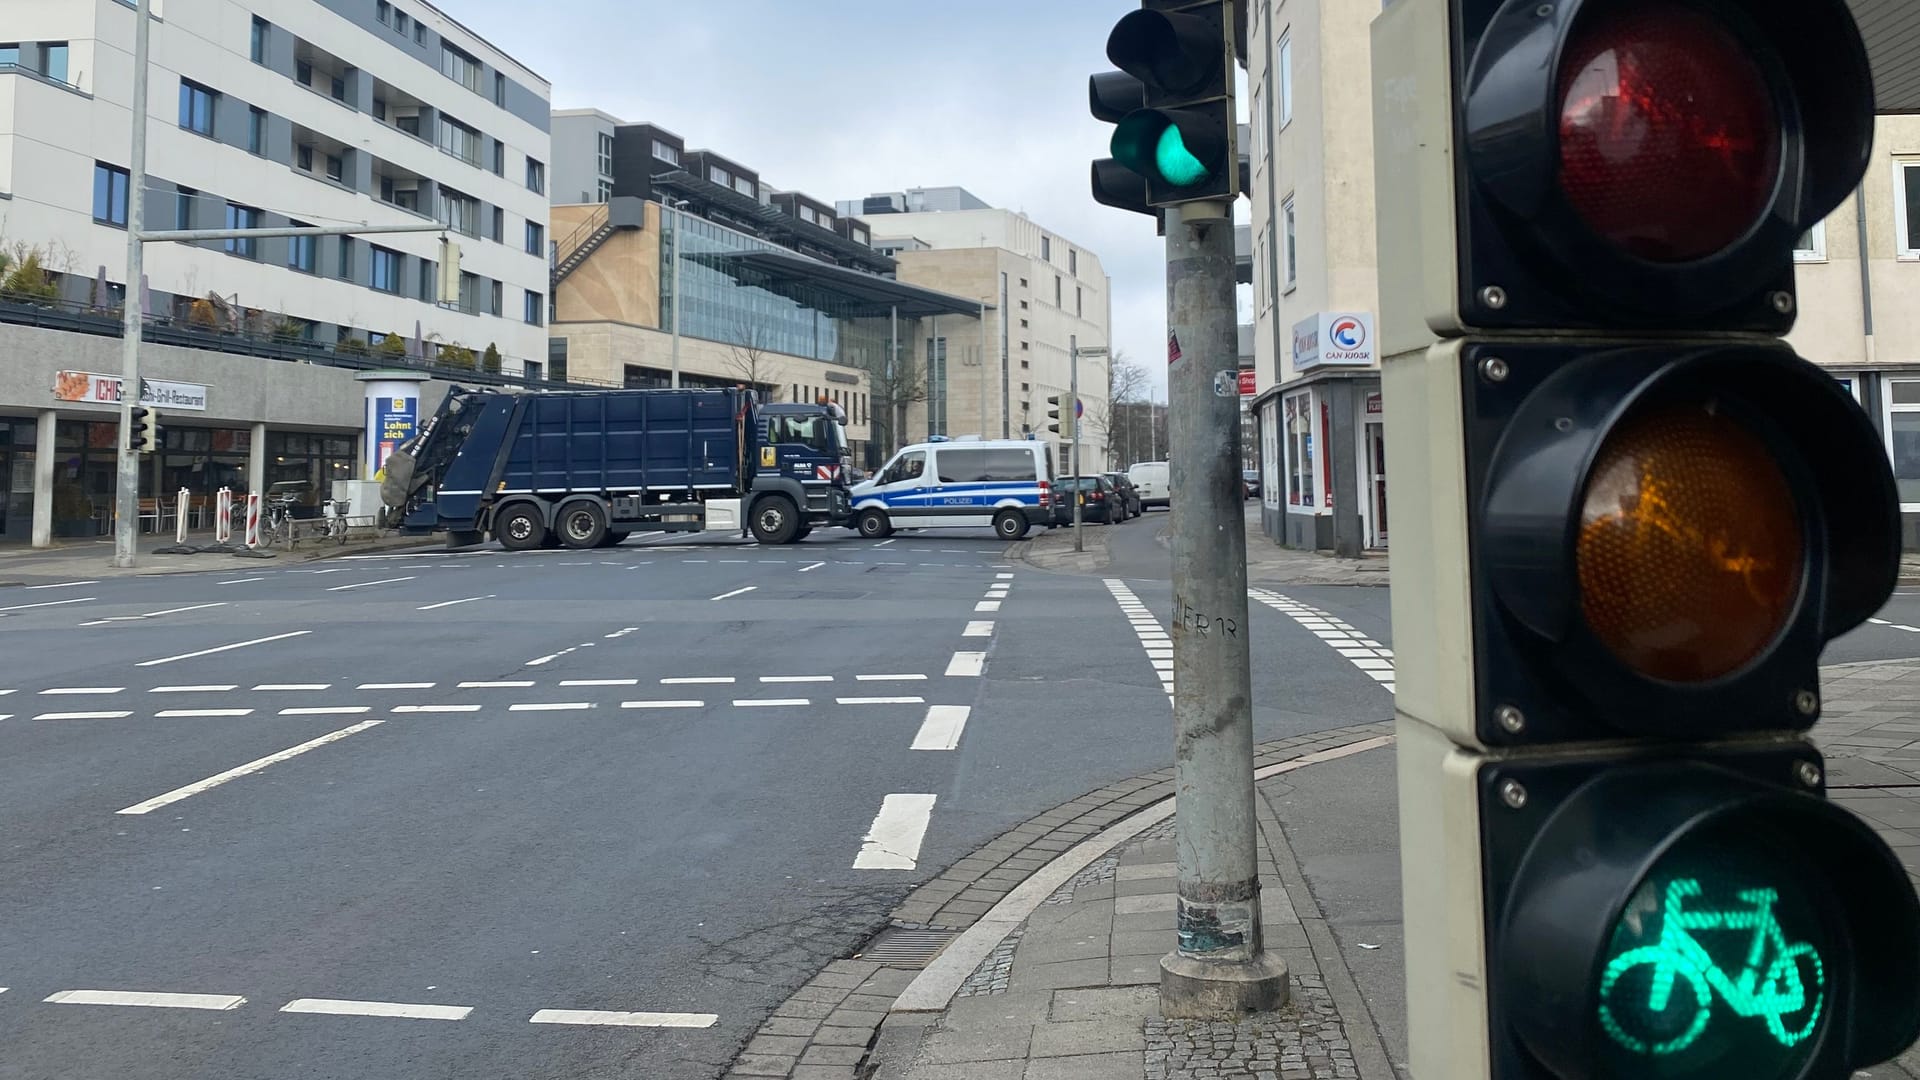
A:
{"x":491,"y":360}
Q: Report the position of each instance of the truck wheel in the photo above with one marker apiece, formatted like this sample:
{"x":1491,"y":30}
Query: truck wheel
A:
{"x":520,"y":529}
{"x":615,"y":537}
{"x":1010,"y":525}
{"x":775,"y":521}
{"x":874,"y":525}
{"x":582,"y":525}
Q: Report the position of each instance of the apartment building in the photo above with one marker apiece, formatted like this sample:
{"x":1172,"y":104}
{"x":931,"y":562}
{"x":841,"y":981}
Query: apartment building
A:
{"x":681,"y":262}
{"x":1043,"y":295}
{"x":278,"y":112}
{"x":1316,"y":255}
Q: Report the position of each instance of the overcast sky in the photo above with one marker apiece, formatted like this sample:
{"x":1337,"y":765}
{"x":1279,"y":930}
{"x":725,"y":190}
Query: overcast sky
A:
{"x":843,"y":98}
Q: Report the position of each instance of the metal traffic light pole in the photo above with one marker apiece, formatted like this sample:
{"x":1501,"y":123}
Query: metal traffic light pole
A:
{"x":1073,"y":392}
{"x":126,"y":495}
{"x":1220,"y":967}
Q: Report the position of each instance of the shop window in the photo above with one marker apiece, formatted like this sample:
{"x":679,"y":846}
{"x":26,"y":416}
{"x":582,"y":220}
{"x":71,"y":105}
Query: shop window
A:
{"x":1903,"y":438}
{"x":1297,"y":412}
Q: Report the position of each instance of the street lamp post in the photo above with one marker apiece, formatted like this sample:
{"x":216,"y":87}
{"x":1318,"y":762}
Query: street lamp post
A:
{"x":126,"y":494}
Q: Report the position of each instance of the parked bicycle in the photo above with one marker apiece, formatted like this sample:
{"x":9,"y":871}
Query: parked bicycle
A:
{"x":1791,"y":983}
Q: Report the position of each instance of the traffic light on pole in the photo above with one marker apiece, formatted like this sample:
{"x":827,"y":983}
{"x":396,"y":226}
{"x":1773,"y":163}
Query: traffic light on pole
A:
{"x":1054,"y":414}
{"x":1172,"y":106}
{"x":1635,"y":519}
{"x":143,"y":430}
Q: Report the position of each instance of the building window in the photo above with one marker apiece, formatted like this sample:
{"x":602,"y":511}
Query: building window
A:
{"x":1906,"y":207}
{"x":499,"y":158}
{"x":1073,"y":262}
{"x":1046,"y":248}
{"x":660,"y":150}
{"x":337,"y":88}
{"x":459,"y":140}
{"x":744,"y":186}
{"x":257,"y":131}
{"x":303,"y":158}
{"x":401,"y":23}
{"x":183,"y":207}
{"x":536,"y":177}
{"x":257,"y":47}
{"x":1286,"y":236}
{"x":53,"y":60}
{"x":385,"y":12}
{"x":499,"y":89}
{"x":536,"y":238}
{"x":1903,"y":438}
{"x":1058,"y":299}
{"x":109,"y":195}
{"x":196,"y":107}
{"x":10,"y":54}
{"x":1812,"y":246}
{"x":380,"y":109}
{"x":420,"y":34}
{"x":1286,"y":79}
{"x":605,"y":191}
{"x":300,"y":249}
{"x":458,"y":212}
{"x":1079,"y":302}
{"x":336,"y":168}
{"x":1298,"y":409}
{"x":469,"y":293}
{"x":496,"y":300}
{"x":386,"y":269}
{"x":720,"y":176}
{"x":534,"y":312}
{"x":346,"y":258}
{"x":605,"y":158}
{"x":807,"y":214}
{"x":499,"y":226}
{"x":460,"y":67}
{"x":427,"y":285}
{"x":243,"y":217}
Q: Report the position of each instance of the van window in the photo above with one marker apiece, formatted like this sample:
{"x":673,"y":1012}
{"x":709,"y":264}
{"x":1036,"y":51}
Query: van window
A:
{"x":969,"y":465}
{"x":908,"y":466}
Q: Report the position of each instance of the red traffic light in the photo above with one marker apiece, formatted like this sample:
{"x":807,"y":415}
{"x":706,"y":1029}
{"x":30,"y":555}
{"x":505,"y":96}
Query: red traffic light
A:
{"x":1669,"y":137}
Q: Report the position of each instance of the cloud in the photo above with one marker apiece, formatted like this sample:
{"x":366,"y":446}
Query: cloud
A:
{"x":843,"y":98}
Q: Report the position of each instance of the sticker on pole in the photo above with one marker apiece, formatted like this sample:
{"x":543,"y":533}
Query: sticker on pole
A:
{"x":1173,"y":348}
{"x":1226,"y":383}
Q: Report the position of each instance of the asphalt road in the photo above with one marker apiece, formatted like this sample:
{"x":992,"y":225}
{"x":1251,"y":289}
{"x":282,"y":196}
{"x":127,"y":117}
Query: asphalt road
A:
{"x":552,"y":813}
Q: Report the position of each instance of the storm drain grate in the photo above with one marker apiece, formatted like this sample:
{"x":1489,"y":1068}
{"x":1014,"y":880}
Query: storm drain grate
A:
{"x":898,"y":946}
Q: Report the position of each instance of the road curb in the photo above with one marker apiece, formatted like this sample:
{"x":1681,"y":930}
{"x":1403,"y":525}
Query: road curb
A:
{"x":982,"y":891}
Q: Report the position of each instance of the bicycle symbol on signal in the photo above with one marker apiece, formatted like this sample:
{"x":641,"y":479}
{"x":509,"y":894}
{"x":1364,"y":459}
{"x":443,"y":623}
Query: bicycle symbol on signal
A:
{"x":1773,"y":992}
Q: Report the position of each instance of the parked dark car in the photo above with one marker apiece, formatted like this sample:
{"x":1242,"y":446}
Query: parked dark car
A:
{"x":1250,"y":482}
{"x":1099,"y":495}
{"x":1129,"y":495}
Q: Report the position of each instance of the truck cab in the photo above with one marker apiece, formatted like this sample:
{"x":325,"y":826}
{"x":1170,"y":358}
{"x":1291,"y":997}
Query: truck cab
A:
{"x":808,"y":444}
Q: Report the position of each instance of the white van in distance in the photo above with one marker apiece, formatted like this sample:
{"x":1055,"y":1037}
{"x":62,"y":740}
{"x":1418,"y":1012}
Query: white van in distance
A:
{"x":1154,"y":482}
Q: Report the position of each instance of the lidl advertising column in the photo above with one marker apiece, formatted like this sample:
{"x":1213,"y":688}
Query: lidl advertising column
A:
{"x":393,"y":414}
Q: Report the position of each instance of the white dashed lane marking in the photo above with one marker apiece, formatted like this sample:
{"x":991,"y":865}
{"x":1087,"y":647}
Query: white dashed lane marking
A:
{"x":1153,"y":638}
{"x":393,"y":1009}
{"x":967,"y":664}
{"x":137,"y":999}
{"x":1371,"y":657}
{"x":942,"y":728}
{"x":893,"y":840}
{"x":623,"y":1019}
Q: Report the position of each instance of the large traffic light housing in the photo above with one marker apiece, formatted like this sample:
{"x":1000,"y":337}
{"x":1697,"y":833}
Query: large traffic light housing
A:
{"x":1628,"y":520}
{"x":143,"y":429}
{"x":1172,"y":106}
{"x":1054,"y":418}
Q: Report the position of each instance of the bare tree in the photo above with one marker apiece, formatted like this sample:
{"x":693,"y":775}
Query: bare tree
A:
{"x":1119,"y":414}
{"x":749,"y":358}
{"x":894,"y":385}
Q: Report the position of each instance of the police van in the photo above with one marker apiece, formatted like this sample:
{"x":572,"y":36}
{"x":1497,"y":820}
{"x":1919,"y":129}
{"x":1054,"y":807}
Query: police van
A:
{"x":1003,"y":483}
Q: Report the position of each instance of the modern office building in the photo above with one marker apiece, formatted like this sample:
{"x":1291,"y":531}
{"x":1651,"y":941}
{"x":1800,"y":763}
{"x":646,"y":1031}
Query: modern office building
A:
{"x":1318,"y":405}
{"x":775,"y":289}
{"x":1045,"y":296}
{"x":311,"y":112}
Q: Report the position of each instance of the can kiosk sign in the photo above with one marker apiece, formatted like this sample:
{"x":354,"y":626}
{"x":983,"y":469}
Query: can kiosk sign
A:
{"x":1342,"y":339}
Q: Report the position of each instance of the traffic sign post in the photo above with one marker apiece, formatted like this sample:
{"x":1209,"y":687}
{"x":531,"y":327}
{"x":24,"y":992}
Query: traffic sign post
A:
{"x":1631,"y":518}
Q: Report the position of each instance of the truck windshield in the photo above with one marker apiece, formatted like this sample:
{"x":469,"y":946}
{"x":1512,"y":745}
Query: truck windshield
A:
{"x":818,"y":433}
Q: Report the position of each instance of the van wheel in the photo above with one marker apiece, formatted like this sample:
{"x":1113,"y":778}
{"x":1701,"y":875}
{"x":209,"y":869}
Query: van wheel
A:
{"x":583,"y":525}
{"x":775,"y":521}
{"x":1009,"y":525}
{"x":874,"y":525}
{"x":520,"y":529}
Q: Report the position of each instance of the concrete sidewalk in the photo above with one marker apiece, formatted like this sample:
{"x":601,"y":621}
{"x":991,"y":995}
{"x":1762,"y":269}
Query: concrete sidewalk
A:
{"x":1267,"y":562}
{"x":93,"y":559}
{"x":1037,"y":958}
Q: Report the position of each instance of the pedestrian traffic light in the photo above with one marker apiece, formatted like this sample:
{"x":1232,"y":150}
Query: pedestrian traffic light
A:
{"x":143,"y":429}
{"x":1172,"y":106}
{"x":1054,"y":414}
{"x":1628,"y":520}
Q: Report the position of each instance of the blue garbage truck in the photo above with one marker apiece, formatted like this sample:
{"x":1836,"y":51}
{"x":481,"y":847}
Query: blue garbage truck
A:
{"x":584,"y":469}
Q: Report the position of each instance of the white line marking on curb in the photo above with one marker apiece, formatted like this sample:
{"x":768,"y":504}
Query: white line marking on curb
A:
{"x":435,"y":708}
{"x":250,"y":767}
{"x":510,"y":684}
{"x":599,"y":682}
{"x":209,"y":688}
{"x":293,"y":686}
{"x":365,"y":584}
{"x":551,"y":706}
{"x":942,"y":727}
{"x":394,"y":686}
{"x":223,"y":648}
{"x":663,"y":704}
{"x":61,"y":585}
{"x":323,"y":710}
{"x":623,"y":1019}
{"x":170,"y":713}
{"x":933,"y":989}
{"x":761,"y":703}
{"x":815,"y":566}
{"x":736,"y":592}
{"x":450,"y":603}
{"x":965,"y":664}
{"x":888,"y":678}
{"x":688,"y":680}
{"x":979,"y":629}
{"x":167,"y":611}
{"x":987,"y":605}
{"x":214,"y":1002}
{"x":795,"y":678}
{"x":893,"y":840}
{"x":83,"y":716}
{"x":884,"y":543}
{"x":47,"y":603}
{"x":881,"y":700}
{"x":399,"y":1010}
{"x":84,"y":690}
